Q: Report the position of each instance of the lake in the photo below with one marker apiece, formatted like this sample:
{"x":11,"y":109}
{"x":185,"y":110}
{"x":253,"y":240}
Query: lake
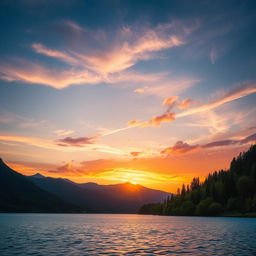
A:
{"x":124,"y":234}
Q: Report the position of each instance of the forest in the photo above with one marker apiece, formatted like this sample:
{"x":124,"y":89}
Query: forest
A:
{"x":223,"y":193}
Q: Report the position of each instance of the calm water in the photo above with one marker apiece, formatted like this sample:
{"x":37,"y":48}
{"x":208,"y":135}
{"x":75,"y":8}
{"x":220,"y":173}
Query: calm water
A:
{"x":107,"y":234}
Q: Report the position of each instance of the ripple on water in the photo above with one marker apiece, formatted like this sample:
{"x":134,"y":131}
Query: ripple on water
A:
{"x":88,"y":234}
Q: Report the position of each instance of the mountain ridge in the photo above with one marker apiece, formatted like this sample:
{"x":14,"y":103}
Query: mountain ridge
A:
{"x":19,"y":194}
{"x":117,"y":198}
{"x":47,"y":194}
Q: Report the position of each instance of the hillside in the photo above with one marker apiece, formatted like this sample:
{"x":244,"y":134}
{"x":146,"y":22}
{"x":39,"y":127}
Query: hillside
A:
{"x":229,"y":193}
{"x":19,"y":194}
{"x":118,"y":198}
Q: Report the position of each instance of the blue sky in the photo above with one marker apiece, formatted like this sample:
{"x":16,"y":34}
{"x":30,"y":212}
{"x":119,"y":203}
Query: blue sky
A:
{"x":126,"y":83}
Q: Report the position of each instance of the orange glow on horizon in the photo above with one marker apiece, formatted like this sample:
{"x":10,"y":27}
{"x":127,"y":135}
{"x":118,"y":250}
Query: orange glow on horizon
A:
{"x":167,"y":174}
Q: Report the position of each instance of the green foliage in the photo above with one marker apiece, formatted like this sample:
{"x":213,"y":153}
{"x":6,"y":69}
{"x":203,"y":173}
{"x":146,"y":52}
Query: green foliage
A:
{"x":187,"y":208}
{"x":232,"y":204}
{"x":245,"y":185}
{"x":223,"y":192}
{"x":202,"y":207}
{"x":151,"y":209}
{"x":215,"y":209}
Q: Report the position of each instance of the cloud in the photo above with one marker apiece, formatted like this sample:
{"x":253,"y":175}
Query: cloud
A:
{"x":185,"y":104}
{"x":135,"y":154}
{"x":39,"y":48}
{"x":30,"y":72}
{"x":63,"y":132}
{"x":246,"y":140}
{"x":67,"y":145}
{"x":213,"y":55}
{"x":170,"y":102}
{"x":249,"y":139}
{"x":168,"y":116}
{"x":20,"y":120}
{"x":158,"y":120}
{"x":126,"y":53}
{"x":32,"y":124}
{"x":168,"y":86}
{"x":182,"y":147}
{"x":95,"y":57}
{"x":76,"y":142}
{"x":139,"y":90}
{"x":234,"y":94}
{"x":37,"y":142}
{"x":68,"y":169}
{"x":5,"y":119}
{"x":133,"y":122}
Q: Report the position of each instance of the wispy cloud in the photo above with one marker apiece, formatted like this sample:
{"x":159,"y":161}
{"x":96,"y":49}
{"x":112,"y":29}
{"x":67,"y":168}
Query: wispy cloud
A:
{"x":213,"y":55}
{"x":39,"y":48}
{"x":20,"y":121}
{"x":91,"y":65}
{"x":171,"y":102}
{"x":32,"y":124}
{"x":233,"y":94}
{"x":185,"y":104}
{"x":30,"y":72}
{"x":61,"y":132}
{"x":135,"y":153}
{"x":181,"y":147}
{"x":248,"y":139}
{"x":76,"y":142}
{"x":5,"y":119}
{"x":158,"y":120}
{"x":68,"y":145}
{"x":168,"y":116}
{"x":168,"y":86}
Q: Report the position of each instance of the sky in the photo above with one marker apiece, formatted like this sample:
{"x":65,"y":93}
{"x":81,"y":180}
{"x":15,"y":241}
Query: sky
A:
{"x":149,"y":92}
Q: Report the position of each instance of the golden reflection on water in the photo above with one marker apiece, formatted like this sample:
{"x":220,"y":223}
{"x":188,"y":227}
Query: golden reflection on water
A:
{"x":124,"y":234}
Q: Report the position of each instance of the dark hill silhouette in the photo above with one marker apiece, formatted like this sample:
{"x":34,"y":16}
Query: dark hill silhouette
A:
{"x":37,"y":176}
{"x":229,"y":193}
{"x":19,"y":194}
{"x":129,"y":191}
{"x":71,"y":192}
{"x":119,"y":198}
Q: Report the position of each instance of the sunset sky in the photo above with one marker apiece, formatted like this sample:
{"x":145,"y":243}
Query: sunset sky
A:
{"x":150,"y":92}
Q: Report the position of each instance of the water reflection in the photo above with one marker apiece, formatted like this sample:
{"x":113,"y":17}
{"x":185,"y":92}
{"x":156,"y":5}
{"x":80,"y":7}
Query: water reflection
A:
{"x":107,"y":234}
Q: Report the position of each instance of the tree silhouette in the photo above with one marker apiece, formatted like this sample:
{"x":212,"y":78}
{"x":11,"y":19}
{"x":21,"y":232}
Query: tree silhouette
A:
{"x":230,"y":192}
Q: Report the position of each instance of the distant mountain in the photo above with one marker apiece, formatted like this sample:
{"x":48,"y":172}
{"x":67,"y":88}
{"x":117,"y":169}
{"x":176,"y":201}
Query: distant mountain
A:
{"x":37,"y":176}
{"x":228,"y":193}
{"x":70,"y":192}
{"x":128,"y":191}
{"x":90,"y":185}
{"x":119,"y":198}
{"x":37,"y":193}
{"x":20,"y":194}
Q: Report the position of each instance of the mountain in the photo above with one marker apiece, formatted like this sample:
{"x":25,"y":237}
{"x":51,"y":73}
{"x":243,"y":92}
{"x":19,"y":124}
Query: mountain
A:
{"x":37,"y":193}
{"x":37,"y":176}
{"x":129,"y":191}
{"x":69,"y":192}
{"x":20,"y":194}
{"x":119,"y":198}
{"x":229,"y":193}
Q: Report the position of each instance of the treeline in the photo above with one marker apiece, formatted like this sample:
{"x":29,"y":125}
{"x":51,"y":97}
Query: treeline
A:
{"x":231,"y":192}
